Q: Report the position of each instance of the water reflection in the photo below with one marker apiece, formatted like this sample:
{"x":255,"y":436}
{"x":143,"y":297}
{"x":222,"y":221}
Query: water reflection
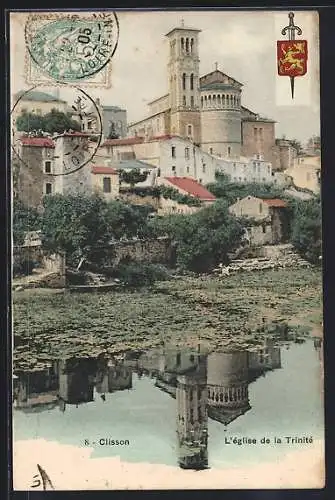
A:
{"x":205,"y":385}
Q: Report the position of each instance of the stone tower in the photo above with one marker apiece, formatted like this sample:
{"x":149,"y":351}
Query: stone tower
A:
{"x":183,"y":75}
{"x":192,"y":419}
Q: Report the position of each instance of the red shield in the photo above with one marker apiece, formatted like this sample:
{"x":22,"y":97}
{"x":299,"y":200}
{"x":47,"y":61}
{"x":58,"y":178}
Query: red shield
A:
{"x":292,"y":57}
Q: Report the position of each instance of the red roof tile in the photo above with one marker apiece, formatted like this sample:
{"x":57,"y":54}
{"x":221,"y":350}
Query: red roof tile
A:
{"x":39,"y":142}
{"x":123,"y":142}
{"x":275,"y":202}
{"x":192,"y":187}
{"x":102,"y":169}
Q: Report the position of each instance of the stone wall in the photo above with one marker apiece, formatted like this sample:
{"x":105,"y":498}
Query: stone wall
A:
{"x":46,"y":269}
{"x":158,"y":251}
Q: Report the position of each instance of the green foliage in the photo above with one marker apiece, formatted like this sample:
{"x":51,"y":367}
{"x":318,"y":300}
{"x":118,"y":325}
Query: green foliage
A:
{"x":202,"y":239}
{"x":125,"y":220}
{"x":173,"y":194}
{"x":53,"y":122}
{"x":134,"y":274}
{"x":76,"y":224}
{"x":306,"y":228}
{"x":24,"y":219}
{"x":231,"y":191}
{"x":142,"y":191}
{"x":296,"y":144}
{"x":133,"y":176}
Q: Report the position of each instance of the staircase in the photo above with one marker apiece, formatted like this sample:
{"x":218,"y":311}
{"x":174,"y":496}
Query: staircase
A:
{"x":270,"y":257}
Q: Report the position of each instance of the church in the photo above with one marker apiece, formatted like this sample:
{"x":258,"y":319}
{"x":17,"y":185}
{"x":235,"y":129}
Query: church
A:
{"x":206,"y":109}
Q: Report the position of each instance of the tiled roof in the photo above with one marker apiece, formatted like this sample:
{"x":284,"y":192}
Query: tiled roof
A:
{"x":275,"y":202}
{"x":102,"y":169}
{"x":123,"y":142}
{"x":39,"y":142}
{"x":192,"y":187}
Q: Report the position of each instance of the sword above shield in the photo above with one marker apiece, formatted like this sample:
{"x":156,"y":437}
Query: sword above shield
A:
{"x":292,"y":53}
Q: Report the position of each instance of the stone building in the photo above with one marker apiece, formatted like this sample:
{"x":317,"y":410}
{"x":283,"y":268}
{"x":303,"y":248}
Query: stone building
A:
{"x":76,"y":380}
{"x":306,"y":173}
{"x":207,"y":110}
{"x":32,"y":169}
{"x":269,"y":216}
{"x":113,"y":377}
{"x":192,"y":417}
{"x":40,"y":103}
{"x":113,"y":120}
{"x":105,"y":181}
{"x":36,"y":390}
{"x":227,"y":385}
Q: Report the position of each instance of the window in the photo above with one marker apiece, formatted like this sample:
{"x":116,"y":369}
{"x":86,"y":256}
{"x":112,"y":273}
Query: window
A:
{"x":255,"y":132}
{"x":174,"y":169}
{"x":187,"y":153}
{"x":48,"y":188}
{"x":184,"y":100}
{"x":192,"y":44}
{"x":106,"y":183}
{"x":158,"y":172}
{"x":204,"y":168}
{"x":229,"y":150}
{"x":178,"y":359}
{"x":191,"y":395}
{"x":184,"y":81}
{"x":187,"y":170}
{"x":189,"y":129}
{"x":47,"y":167}
{"x":264,"y":228}
{"x":260,"y":208}
{"x":210,"y":151}
{"x":187,"y":46}
{"x":182,"y":44}
{"x":192,"y":101}
{"x":191,"y":416}
{"x":173,"y":151}
{"x":191,"y":81}
{"x":261,"y":133}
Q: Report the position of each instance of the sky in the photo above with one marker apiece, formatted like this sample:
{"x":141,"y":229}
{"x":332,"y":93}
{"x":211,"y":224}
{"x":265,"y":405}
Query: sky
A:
{"x":243,"y":43}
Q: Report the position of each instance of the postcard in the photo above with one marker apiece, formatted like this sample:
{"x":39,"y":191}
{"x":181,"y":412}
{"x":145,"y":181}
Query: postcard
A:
{"x":166,"y":250}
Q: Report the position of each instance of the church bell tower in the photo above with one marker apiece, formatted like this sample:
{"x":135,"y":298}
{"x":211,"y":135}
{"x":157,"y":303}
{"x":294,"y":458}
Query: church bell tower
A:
{"x":183,"y":74}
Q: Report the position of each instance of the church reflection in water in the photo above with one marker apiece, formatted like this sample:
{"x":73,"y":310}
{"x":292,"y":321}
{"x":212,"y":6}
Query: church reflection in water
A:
{"x":211,"y":385}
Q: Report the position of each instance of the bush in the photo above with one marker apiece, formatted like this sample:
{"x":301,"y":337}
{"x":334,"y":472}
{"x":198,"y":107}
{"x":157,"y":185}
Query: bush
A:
{"x":141,"y":274}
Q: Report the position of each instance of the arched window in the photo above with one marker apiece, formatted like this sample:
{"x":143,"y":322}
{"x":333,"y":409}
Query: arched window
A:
{"x":205,"y":101}
{"x":184,"y":100}
{"x":202,"y":101}
{"x":229,"y":150}
{"x":219,"y":100}
{"x":182,"y":44}
{"x":192,"y":101}
{"x":187,"y":46}
{"x":223,"y":100}
{"x":209,"y":101}
{"x":184,"y":81}
{"x":192,"y":44}
{"x":231,"y":101}
{"x":191,"y":81}
{"x":214,"y":100}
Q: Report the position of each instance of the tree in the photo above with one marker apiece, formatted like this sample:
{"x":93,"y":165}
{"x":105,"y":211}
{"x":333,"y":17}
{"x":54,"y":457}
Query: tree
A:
{"x":24,"y":219}
{"x":29,"y":122}
{"x":202,"y":239}
{"x":53,"y":122}
{"x":306,"y":228}
{"x":58,"y":122}
{"x":231,"y":191}
{"x":112,"y":132}
{"x":76,"y":224}
{"x":133,"y":176}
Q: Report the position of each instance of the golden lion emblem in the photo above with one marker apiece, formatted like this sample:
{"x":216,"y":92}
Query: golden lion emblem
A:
{"x":290,"y":58}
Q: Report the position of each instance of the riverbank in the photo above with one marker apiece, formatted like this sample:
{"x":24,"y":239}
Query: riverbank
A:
{"x":213,"y":310}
